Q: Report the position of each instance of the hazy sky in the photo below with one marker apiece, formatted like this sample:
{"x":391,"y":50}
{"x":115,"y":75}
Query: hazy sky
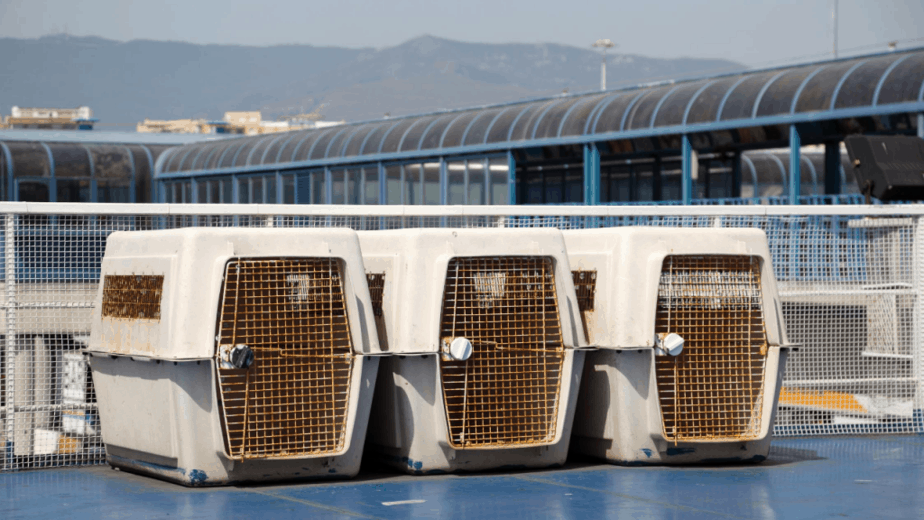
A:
{"x":752,"y":32}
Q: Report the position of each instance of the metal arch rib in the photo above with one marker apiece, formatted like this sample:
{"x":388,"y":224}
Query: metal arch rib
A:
{"x":469,"y":126}
{"x":811,"y":168}
{"x":427,"y":130}
{"x":728,"y":93}
{"x":517,"y":120}
{"x":487,"y":131}
{"x":795,"y":97}
{"x":332,"y":140}
{"x":404,"y":135}
{"x":783,"y":173}
{"x":385,"y":135}
{"x":257,"y":145}
{"x":753,"y":173}
{"x":314,"y":143}
{"x":590,"y":128}
{"x":545,"y":113}
{"x":362,"y":145}
{"x":446,"y":130}
{"x":763,"y":90}
{"x":564,"y":118}
{"x":625,"y":115}
{"x":348,"y":140}
{"x":654,"y":115}
{"x":686,"y":111}
{"x":885,"y":75}
{"x":301,"y":142}
{"x":840,"y":82}
{"x":263,"y":157}
{"x":238,"y":152}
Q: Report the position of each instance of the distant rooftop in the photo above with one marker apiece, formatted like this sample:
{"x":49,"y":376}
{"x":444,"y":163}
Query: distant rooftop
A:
{"x":95,"y":136}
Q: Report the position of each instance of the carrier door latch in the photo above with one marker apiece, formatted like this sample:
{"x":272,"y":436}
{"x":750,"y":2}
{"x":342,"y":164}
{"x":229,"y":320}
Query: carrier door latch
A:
{"x":235,"y":356}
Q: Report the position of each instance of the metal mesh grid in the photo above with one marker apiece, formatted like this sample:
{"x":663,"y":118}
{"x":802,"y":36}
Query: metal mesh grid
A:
{"x":860,"y":371}
{"x":713,"y":389}
{"x":585,"y":286}
{"x":293,"y":400}
{"x":506,"y":393}
{"x":132,"y":297}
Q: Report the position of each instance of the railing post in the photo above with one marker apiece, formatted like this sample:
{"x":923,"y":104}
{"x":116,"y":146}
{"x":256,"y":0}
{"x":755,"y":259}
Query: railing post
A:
{"x":591,"y":174}
{"x":795,"y":176}
{"x":917,"y":356}
{"x":511,"y":179}
{"x":686,"y":179}
{"x":921,"y":125}
{"x":10,"y":382}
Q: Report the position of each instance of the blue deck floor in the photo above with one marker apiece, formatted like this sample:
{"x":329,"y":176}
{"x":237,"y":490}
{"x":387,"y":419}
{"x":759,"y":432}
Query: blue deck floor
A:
{"x":837,"y":477}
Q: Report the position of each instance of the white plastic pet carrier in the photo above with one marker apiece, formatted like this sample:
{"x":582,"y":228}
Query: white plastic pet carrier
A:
{"x":691,"y":344}
{"x":482,"y":326}
{"x":227,"y":355}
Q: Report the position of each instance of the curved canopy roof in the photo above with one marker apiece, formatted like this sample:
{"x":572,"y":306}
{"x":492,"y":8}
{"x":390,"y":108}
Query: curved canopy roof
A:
{"x":830,"y":86}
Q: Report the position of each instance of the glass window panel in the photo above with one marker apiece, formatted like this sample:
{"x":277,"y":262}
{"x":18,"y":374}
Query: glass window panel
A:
{"x":455,"y":171}
{"x":243,"y":191}
{"x":431,"y":139}
{"x":288,"y":189}
{"x":740,"y":103}
{"x":227,"y":191}
{"x":816,"y":95}
{"x":202,"y":191}
{"x":904,"y":81}
{"x":371,"y":184}
{"x":73,"y":190}
{"x":674,"y":106}
{"x":476,"y":131}
{"x":476,"y":192}
{"x":355,"y":143}
{"x":778,"y":97}
{"x":3,"y":177}
{"x":644,"y":181}
{"x":618,"y":182}
{"x":431,"y":183}
{"x":187,"y":192}
{"x":335,"y":148}
{"x":113,"y":191}
{"x":705,"y":107}
{"x":859,"y":87}
{"x":577,"y":118}
{"x":71,"y":160}
{"x":499,"y":190}
{"x":354,"y":186}
{"x":303,"y":187}
{"x":30,"y":191}
{"x":390,"y":144}
{"x":531,"y":187}
{"x":573,"y":186}
{"x":212,"y":190}
{"x":110,"y":162}
{"x":553,"y":181}
{"x":338,"y":187}
{"x":256,"y":189}
{"x":318,"y":187}
{"x":393,"y":184}
{"x":291,"y":147}
{"x":640,"y":117}
{"x":609,"y":118}
{"x":29,"y":159}
{"x":412,"y":184}
{"x":455,"y":131}
{"x":270,"y":185}
{"x":413,"y":135}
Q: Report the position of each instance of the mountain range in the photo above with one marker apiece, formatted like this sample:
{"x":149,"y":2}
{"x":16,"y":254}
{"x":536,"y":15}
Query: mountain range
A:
{"x":126,"y":82}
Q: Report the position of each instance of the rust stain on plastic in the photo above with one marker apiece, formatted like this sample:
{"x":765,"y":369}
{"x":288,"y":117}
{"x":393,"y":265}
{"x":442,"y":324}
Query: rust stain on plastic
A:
{"x":132,"y":297}
{"x":506,"y":394}
{"x":714,"y":389}
{"x":585,"y":285}
{"x":293,"y":400}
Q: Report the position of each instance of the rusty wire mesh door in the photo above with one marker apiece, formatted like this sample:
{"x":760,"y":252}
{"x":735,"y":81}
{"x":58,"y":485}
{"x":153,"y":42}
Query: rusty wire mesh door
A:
{"x":713,"y":390}
{"x":506,"y":394}
{"x":293,"y":400}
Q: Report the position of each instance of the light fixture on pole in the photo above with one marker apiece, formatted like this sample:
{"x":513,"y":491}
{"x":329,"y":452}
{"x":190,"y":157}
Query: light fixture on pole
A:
{"x":605,"y":44}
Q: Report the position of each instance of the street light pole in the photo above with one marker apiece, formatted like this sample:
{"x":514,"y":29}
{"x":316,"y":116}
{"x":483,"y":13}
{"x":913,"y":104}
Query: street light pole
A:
{"x":605,"y":44}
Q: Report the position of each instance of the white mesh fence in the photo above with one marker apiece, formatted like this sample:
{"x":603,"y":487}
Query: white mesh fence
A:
{"x":851,"y":280}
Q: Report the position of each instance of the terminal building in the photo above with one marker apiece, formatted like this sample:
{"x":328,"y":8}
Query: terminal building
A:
{"x":672,"y":141}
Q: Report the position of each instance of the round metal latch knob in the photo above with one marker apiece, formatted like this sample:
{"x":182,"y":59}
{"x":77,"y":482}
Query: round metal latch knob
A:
{"x":241,"y":356}
{"x":670,"y":344}
{"x":460,"y":349}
